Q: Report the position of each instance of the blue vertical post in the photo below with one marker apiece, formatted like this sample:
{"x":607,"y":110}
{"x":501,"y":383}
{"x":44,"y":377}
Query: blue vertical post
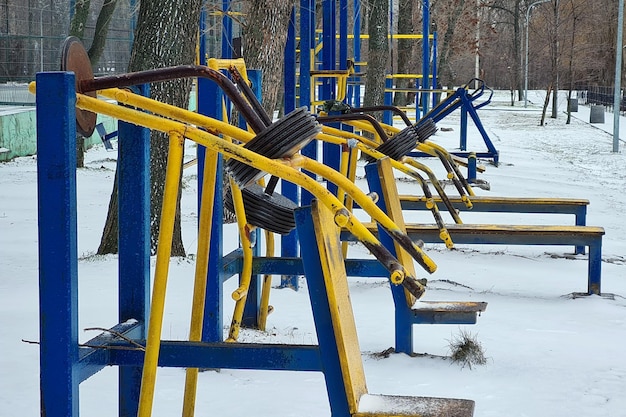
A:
{"x":289,"y":243}
{"x":307,"y":41}
{"x":331,"y":152}
{"x":343,"y":34}
{"x":307,"y":19}
{"x":58,"y":253}
{"x":133,"y":181}
{"x":387,"y":116}
{"x":290,"y":65}
{"x":227,"y":31}
{"x":402,"y":311}
{"x":463,"y":139}
{"x":356,"y":102}
{"x":471,"y":167}
{"x":425,"y":53}
{"x":435,"y":83}
{"x":329,"y":48}
{"x":210,"y":104}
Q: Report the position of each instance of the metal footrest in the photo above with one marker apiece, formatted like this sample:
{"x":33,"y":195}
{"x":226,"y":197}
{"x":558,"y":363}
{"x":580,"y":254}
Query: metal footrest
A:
{"x":447,"y":312}
{"x":392,"y":405}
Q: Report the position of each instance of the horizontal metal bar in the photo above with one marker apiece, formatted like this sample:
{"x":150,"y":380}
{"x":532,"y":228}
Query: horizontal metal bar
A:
{"x":93,"y":355}
{"x":182,"y":354}
{"x":505,"y":204}
{"x":293,"y":266}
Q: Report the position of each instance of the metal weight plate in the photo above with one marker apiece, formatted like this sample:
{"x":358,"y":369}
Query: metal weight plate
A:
{"x":426,"y":129}
{"x":270,"y":212}
{"x":74,"y":58}
{"x":399,"y":145}
{"x":281,"y":139}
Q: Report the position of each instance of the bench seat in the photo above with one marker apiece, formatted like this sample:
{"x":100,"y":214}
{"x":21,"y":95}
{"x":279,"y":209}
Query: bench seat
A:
{"x":575,"y":206}
{"x":371,"y":405}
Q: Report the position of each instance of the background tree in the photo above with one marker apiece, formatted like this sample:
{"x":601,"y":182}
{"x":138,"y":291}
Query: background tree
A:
{"x":77,"y":28}
{"x":378,"y":52}
{"x":454,"y":19}
{"x":155,"y":47}
{"x":405,"y":51}
{"x":264,"y":38}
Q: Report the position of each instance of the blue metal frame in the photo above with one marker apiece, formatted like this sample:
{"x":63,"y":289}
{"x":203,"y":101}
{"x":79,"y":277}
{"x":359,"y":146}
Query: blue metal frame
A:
{"x":133,"y":183}
{"x":63,"y":365}
{"x":289,"y":243}
{"x":58,"y":258}
{"x":425,"y":53}
{"x":463,"y":100}
{"x":405,"y":316}
{"x":227,"y":31}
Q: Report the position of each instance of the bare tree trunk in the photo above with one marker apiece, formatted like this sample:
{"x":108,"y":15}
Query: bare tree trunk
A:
{"x":378,"y":53}
{"x":264,"y":39}
{"x":555,"y":61}
{"x":79,"y":20}
{"x":406,"y":63}
{"x":157,"y":47}
{"x":445,"y":51}
{"x":102,"y":28}
{"x":77,"y":28}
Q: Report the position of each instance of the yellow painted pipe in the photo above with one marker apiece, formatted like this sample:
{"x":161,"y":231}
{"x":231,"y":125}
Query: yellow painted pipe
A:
{"x":349,"y":203}
{"x":214,"y":126}
{"x":336,"y":136}
{"x":240,"y":295}
{"x":164,"y":248}
{"x":200,"y":281}
{"x":264,"y":307}
{"x":273,"y":167}
{"x":366,"y":204}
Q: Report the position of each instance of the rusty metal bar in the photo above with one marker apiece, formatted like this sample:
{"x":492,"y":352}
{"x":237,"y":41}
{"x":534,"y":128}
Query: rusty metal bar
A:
{"x":356,"y":116}
{"x":172,"y":73}
{"x":393,"y":109}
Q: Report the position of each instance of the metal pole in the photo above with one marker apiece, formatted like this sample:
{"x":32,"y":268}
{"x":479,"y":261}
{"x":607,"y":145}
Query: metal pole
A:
{"x":617,"y":95}
{"x":41,"y":38}
{"x":526,"y":53}
{"x":425,"y":52}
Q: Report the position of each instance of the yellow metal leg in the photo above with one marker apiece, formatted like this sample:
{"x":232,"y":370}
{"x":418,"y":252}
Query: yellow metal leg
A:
{"x":240,"y":295}
{"x":164,"y":248}
{"x":264,"y":308}
{"x":200,"y":282}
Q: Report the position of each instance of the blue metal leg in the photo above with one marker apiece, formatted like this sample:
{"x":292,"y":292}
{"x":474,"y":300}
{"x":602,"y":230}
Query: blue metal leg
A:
{"x":210,"y":104}
{"x":581,"y":220}
{"x":318,"y":294}
{"x":403,"y":314}
{"x":595,"y":267}
{"x":58,"y":258}
{"x":134,"y":246}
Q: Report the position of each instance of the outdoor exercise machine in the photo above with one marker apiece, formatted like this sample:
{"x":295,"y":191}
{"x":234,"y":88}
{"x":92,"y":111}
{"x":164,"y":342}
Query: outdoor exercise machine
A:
{"x":65,"y":363}
{"x":465,"y":101}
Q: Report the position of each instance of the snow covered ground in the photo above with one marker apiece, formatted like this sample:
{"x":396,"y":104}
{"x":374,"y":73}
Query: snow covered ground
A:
{"x":548,"y":354}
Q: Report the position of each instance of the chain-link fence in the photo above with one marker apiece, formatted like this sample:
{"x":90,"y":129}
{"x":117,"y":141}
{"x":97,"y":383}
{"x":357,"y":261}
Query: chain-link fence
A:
{"x":32,"y":31}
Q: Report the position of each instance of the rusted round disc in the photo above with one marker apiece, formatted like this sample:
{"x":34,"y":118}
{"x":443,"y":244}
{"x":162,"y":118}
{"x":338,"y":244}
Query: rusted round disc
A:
{"x":74,"y":58}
